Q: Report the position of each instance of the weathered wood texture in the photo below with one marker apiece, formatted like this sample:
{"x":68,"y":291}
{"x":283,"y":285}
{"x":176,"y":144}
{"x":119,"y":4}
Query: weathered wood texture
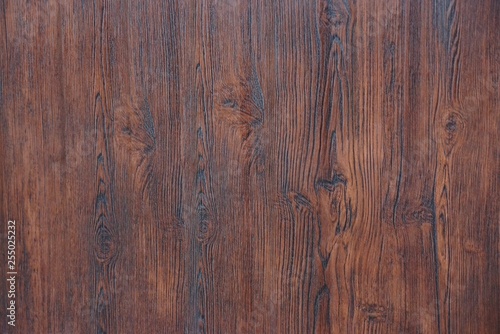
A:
{"x":251,"y":166}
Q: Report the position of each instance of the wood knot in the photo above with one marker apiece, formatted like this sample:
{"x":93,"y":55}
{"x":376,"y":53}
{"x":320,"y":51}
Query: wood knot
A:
{"x":241,"y":102}
{"x":105,"y":247}
{"x":453,"y":127}
{"x":300,"y":200}
{"x":333,"y":15}
{"x":375,"y":312}
{"x":418,"y":215}
{"x":472,"y":247}
{"x":330,"y":185}
{"x":136,"y":128}
{"x":207,"y":228}
{"x":206,"y":231}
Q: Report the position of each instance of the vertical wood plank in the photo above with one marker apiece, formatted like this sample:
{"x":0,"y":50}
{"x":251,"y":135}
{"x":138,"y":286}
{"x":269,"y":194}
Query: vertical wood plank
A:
{"x":232,"y":166}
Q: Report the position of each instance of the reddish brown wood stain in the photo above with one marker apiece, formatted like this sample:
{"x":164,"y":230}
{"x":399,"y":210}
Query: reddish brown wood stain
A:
{"x":258,"y":166}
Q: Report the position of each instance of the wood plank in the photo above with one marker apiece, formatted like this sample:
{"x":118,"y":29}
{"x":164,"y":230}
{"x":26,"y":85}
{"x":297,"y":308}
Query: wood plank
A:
{"x":231,"y":166}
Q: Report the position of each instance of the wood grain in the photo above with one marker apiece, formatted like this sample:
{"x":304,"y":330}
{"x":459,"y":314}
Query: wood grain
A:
{"x":225,"y":166}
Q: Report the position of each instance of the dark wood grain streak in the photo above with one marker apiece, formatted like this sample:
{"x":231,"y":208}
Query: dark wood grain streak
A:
{"x":231,"y":166}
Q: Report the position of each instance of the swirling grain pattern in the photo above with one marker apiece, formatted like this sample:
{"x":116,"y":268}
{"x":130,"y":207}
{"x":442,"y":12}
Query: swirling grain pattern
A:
{"x":251,"y":166}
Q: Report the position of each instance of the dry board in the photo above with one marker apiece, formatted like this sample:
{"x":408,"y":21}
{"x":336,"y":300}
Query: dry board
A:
{"x":225,"y":166}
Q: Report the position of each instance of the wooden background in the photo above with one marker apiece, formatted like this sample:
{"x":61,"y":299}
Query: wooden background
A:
{"x":251,"y":166}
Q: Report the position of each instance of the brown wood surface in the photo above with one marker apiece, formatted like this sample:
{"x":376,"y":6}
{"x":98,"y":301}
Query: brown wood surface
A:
{"x":224,"y":166}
